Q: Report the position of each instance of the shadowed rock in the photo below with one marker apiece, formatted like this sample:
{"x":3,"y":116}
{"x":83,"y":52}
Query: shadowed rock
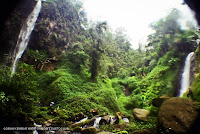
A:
{"x":144,"y":131}
{"x":157,"y":102}
{"x":178,"y":116}
{"x":195,"y":6}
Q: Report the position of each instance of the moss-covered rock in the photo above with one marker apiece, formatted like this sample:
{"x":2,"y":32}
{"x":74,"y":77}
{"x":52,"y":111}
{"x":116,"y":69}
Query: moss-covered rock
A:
{"x":90,"y":130}
{"x":144,"y":131}
{"x":77,"y":129}
{"x":157,"y":102}
{"x":178,"y":115}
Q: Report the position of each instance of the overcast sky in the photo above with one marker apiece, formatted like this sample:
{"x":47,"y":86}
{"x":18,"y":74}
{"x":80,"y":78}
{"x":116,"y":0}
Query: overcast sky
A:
{"x":133,"y":15}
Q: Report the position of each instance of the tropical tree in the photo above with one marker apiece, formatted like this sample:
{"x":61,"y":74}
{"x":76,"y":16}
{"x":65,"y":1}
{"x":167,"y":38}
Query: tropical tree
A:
{"x":165,"y":31}
{"x":97,"y":48}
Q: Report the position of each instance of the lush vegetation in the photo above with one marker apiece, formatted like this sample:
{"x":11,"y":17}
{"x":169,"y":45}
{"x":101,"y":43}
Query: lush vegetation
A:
{"x":81,"y":65}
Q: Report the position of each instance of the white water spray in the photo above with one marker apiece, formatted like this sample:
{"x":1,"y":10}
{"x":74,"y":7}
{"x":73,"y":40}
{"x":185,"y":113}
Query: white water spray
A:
{"x":185,"y":80}
{"x":96,"y":122}
{"x":25,"y":33}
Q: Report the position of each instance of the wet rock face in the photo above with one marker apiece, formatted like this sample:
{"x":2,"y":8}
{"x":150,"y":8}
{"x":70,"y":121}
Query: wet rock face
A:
{"x":195,"y":6}
{"x":12,"y":16}
{"x":178,"y":116}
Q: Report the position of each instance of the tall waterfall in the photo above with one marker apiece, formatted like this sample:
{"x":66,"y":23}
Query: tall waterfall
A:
{"x":25,"y":33}
{"x":185,"y":80}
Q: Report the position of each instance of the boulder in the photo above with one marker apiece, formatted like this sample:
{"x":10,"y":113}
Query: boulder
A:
{"x":79,"y":117}
{"x":48,"y":122}
{"x":157,"y":102}
{"x":178,"y":116}
{"x":144,"y":131}
{"x":105,"y":120}
{"x":94,"y":111}
{"x":76,"y":124}
{"x":108,"y":119}
{"x":105,"y":133}
{"x":90,"y":130}
{"x":140,"y":114}
{"x":120,"y":127}
{"x":91,"y":122}
{"x":77,"y":129}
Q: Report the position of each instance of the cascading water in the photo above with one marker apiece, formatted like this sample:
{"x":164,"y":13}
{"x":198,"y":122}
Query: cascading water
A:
{"x":185,"y":80}
{"x":96,"y":122}
{"x":25,"y":33}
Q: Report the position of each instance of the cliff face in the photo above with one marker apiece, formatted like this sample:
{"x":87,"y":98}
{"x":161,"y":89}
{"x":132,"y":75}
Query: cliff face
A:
{"x":12,"y":18}
{"x":195,"y":6}
{"x":4,"y":12}
{"x":58,"y":25}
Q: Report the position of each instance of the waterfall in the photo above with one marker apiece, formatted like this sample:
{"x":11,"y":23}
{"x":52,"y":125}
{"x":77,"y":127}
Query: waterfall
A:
{"x":96,"y":122}
{"x":25,"y":33}
{"x":185,"y":80}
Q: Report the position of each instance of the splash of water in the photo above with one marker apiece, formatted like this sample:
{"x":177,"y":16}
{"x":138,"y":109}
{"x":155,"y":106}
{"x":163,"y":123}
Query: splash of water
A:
{"x":25,"y":33}
{"x":185,"y":80}
{"x":96,"y":122}
{"x":82,"y":120}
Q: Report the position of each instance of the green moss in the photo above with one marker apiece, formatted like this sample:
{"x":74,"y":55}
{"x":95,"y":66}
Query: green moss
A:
{"x":109,"y":128}
{"x":76,"y":94}
{"x":196,"y":88}
{"x":125,"y":104}
{"x":196,"y":81}
{"x":80,"y":103}
{"x":122,"y":132}
{"x":101,"y":99}
{"x":117,"y":86}
{"x":106,"y":98}
{"x":197,"y":60}
{"x":59,"y":84}
{"x":139,"y":125}
{"x":133,"y":126}
{"x":89,"y":131}
{"x":77,"y":129}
